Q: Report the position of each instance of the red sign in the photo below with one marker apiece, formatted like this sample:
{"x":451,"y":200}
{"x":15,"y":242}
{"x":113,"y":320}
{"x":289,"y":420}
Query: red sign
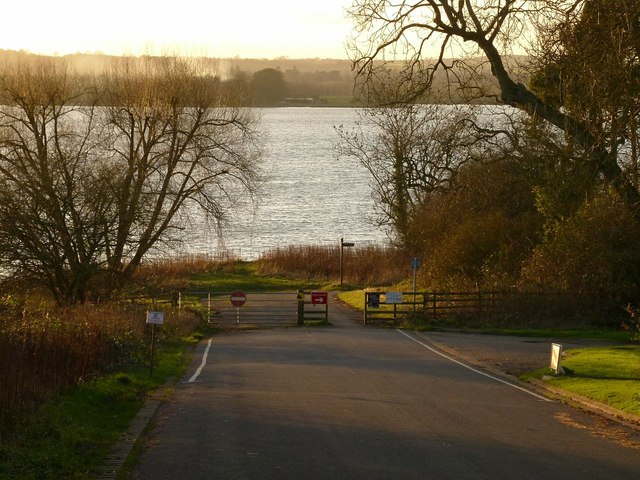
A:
{"x":319,"y":298}
{"x":238,"y":298}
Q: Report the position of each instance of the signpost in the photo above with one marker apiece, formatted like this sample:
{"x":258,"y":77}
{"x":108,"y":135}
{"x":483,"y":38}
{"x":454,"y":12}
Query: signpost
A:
{"x":343,"y":244}
{"x":154,"y":318}
{"x":394,"y":298}
{"x":319,"y":298}
{"x":415,"y":264}
{"x":238,"y":299}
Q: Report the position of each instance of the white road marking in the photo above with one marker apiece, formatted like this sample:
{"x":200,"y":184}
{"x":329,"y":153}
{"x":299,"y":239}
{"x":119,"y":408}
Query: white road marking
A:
{"x":473,"y":369}
{"x":204,"y":362}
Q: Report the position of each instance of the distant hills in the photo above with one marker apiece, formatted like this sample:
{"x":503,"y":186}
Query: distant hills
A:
{"x":327,"y":81}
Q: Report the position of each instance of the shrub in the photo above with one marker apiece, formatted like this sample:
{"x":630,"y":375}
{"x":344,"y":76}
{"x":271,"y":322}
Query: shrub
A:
{"x":593,"y":254}
{"x":43,"y":351}
{"x":363,"y":265}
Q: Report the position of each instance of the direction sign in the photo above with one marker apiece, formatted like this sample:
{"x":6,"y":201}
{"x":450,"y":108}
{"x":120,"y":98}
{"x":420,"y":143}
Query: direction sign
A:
{"x":238,"y":298}
{"x":319,"y":298}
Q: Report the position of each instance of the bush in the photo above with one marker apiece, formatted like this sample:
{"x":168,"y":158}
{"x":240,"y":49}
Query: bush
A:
{"x":363,"y":265}
{"x":45,"y":350}
{"x":477,"y":233}
{"x":593,"y":254}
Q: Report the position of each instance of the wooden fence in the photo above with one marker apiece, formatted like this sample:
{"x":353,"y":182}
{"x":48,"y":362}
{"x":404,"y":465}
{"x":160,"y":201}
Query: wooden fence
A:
{"x":394,"y":307}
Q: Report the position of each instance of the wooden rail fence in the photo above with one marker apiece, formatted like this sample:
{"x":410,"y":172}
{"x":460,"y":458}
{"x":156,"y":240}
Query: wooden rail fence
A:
{"x":394,"y":307}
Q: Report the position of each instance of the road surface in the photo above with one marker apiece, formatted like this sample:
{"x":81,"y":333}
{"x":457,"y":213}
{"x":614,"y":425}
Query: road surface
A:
{"x":349,"y":402}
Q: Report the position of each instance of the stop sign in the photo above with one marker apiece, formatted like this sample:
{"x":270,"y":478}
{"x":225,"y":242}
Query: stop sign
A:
{"x":238,"y":298}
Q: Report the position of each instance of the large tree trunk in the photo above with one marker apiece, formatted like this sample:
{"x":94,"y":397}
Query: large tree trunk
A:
{"x":604,"y":161}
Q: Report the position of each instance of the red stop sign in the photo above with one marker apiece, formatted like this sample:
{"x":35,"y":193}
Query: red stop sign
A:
{"x":238,"y":298}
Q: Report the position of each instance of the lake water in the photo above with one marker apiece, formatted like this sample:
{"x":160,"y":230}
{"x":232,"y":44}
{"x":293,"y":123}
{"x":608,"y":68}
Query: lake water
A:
{"x":311,"y":196}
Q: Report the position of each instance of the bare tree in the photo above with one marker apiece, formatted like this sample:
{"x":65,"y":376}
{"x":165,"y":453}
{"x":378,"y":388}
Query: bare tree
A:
{"x":87,"y":191}
{"x":53,"y":203}
{"x":176,"y":143}
{"x":410,"y":151}
{"x":487,"y":29}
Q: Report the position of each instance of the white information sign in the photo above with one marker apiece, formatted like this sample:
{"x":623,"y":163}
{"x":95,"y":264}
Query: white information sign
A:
{"x":155,"y":318}
{"x":393,"y":297}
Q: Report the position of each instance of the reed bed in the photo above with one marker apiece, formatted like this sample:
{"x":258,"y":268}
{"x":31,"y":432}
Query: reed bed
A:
{"x":42,"y":352}
{"x":173,"y":272}
{"x":371,"y":265}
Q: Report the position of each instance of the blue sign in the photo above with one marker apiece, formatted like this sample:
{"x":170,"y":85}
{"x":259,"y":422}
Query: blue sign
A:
{"x":415,"y":262}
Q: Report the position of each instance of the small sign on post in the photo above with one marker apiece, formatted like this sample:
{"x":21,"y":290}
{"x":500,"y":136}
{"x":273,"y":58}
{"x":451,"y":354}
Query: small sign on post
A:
{"x":343,"y":244}
{"x":319,"y":298}
{"x":238,"y":298}
{"x":154,"y":318}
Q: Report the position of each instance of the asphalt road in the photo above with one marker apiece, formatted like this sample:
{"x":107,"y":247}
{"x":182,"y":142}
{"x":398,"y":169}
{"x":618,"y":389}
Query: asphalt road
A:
{"x":349,"y":402}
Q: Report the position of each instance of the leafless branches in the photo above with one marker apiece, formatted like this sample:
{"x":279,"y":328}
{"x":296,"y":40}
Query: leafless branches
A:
{"x":89,"y":190}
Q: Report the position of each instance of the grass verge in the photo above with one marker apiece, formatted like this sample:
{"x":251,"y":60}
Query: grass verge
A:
{"x":70,"y":437}
{"x":610,"y":375}
{"x":245,"y":276}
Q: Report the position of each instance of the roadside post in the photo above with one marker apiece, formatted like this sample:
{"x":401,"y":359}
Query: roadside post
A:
{"x":321,"y":298}
{"x":556,"y":358}
{"x":238,"y":299}
{"x":343,"y":244}
{"x":415,"y":264}
{"x":154,"y":318}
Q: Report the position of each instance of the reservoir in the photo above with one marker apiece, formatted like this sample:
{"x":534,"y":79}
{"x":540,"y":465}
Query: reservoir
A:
{"x":310,"y":196}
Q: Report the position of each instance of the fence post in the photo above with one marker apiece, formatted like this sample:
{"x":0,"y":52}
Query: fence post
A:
{"x":366,"y":305}
{"x":300,"y":298}
{"x":434,"y":304}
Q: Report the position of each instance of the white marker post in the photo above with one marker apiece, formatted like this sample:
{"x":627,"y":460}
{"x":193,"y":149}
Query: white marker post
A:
{"x":556,"y":358}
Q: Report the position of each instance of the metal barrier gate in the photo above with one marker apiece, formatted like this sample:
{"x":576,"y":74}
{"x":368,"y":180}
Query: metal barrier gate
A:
{"x":260,"y":308}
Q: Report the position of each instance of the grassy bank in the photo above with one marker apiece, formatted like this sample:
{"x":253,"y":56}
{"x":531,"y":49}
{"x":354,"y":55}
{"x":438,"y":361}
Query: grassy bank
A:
{"x":610,"y":375}
{"x":70,"y":435}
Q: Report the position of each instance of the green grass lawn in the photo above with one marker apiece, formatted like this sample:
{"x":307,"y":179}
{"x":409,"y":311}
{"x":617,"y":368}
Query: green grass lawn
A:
{"x":609,"y":375}
{"x":244,"y":276}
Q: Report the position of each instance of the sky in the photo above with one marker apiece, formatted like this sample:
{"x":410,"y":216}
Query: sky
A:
{"x":213,"y":28}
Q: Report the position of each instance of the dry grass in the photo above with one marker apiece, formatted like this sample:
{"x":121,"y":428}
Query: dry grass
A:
{"x":365,"y":265}
{"x":43,"y":351}
{"x":167,"y":273}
